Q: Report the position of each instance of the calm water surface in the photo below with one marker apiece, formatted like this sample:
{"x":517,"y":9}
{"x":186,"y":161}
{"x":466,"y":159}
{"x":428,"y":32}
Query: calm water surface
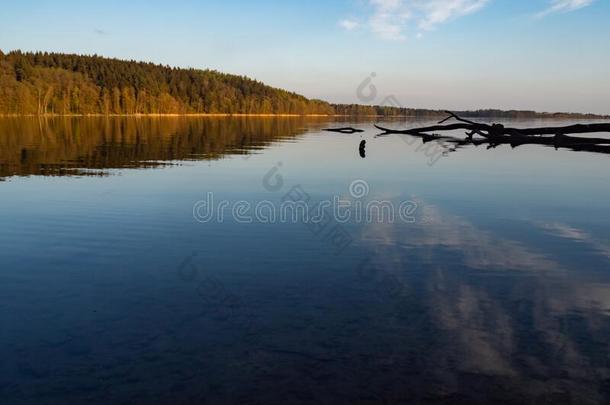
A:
{"x":497,"y":290}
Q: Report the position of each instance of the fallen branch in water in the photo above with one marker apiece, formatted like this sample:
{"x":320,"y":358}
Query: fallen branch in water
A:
{"x":348,"y":130}
{"x":495,"y":134}
{"x":499,"y":131}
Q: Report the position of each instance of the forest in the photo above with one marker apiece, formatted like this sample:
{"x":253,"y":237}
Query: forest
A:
{"x":53,"y":83}
{"x":43,"y":83}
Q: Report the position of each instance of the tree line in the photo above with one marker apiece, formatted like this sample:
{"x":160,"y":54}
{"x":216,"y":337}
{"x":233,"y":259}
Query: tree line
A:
{"x":53,"y":83}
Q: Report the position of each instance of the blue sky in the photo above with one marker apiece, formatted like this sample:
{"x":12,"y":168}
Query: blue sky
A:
{"x":550,"y":55}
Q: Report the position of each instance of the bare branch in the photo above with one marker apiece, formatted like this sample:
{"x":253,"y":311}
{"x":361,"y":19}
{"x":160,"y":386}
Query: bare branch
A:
{"x":498,"y":134}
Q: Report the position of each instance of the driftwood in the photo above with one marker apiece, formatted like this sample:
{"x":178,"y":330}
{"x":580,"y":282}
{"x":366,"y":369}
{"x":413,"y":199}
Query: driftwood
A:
{"x":348,"y":130}
{"x":497,"y":134}
{"x":498,"y":130}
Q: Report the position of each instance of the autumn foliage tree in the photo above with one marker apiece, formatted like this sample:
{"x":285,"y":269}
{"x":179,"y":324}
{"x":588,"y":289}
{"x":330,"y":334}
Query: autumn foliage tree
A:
{"x":52,"y":83}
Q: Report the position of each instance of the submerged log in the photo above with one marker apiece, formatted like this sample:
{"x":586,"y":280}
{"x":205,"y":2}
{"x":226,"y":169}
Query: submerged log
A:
{"x":348,"y":130}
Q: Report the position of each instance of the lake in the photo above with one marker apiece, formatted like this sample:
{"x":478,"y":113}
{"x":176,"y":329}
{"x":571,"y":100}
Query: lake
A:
{"x":263,"y":260}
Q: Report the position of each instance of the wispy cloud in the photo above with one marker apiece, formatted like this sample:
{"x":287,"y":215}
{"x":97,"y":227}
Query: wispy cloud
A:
{"x":349,"y":25}
{"x":390,"y":18}
{"x":100,"y":32}
{"x":563,"y":6}
{"x":436,"y":12}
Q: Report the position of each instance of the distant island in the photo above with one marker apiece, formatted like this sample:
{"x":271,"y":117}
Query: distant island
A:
{"x":42,"y":83}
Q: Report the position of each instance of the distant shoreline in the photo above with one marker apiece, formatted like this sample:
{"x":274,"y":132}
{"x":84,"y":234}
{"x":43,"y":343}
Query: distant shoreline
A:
{"x":470,"y":114}
{"x":166,"y":115}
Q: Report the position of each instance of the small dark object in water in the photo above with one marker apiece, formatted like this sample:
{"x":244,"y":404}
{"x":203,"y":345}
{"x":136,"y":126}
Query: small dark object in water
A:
{"x":348,"y":130}
{"x":363,"y":149}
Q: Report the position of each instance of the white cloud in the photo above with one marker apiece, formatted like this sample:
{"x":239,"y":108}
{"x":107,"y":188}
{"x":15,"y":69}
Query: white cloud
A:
{"x":435,"y":12}
{"x":563,"y":6}
{"x":349,"y":25}
{"x":390,"y":18}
